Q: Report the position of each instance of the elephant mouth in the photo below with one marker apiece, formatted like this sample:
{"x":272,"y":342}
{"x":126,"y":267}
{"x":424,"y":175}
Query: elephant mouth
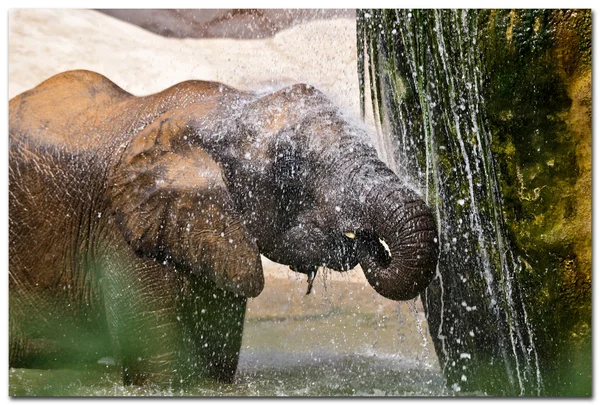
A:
{"x":349,"y":253}
{"x":344,"y":258}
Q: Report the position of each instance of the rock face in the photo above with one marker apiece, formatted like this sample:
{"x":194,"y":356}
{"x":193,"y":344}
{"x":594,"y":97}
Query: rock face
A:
{"x":215,"y":23}
{"x":490,"y":112}
{"x":539,"y":105}
{"x":44,"y":42}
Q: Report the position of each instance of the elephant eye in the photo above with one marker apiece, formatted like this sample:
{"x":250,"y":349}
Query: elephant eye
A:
{"x":350,"y":235}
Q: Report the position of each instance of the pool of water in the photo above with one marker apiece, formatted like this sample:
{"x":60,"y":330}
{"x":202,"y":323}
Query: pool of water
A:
{"x":281,"y":357}
{"x":313,"y":374}
{"x":343,"y":340}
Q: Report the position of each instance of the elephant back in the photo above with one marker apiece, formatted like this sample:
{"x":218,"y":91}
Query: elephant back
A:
{"x":72,"y":110}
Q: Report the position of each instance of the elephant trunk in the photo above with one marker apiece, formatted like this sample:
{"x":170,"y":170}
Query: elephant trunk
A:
{"x":399,"y":257}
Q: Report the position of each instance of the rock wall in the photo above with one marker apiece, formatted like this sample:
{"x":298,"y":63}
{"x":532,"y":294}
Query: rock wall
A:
{"x":490,"y":112}
{"x":222,"y":23}
{"x":539,"y":94}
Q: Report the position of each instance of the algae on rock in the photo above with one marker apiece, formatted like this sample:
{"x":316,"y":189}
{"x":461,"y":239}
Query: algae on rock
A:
{"x":489,"y":112}
{"x":544,"y":152}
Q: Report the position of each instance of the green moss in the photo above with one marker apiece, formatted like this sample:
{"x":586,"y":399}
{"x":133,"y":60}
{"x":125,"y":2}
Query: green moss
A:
{"x":535,"y":117}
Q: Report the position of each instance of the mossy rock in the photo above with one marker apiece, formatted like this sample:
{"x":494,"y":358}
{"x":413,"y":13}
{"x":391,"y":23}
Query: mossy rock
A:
{"x":533,"y":71}
{"x":542,"y":75}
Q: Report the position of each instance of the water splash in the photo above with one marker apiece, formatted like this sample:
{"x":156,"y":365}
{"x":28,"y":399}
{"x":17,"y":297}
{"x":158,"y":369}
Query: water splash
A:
{"x":426,"y":88}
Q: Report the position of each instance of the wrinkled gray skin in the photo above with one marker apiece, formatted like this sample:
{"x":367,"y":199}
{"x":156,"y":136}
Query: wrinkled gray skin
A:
{"x":137,"y":223}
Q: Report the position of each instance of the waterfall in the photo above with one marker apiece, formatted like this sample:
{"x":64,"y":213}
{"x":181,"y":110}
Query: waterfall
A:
{"x":427,"y":92}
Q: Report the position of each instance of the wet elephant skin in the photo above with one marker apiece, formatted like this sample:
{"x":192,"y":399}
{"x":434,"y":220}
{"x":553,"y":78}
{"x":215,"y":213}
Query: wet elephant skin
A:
{"x":136,"y":224}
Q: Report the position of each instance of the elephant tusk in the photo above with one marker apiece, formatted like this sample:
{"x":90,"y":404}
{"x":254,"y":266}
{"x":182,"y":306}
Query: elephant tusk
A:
{"x":351,"y":235}
{"x":385,"y":246}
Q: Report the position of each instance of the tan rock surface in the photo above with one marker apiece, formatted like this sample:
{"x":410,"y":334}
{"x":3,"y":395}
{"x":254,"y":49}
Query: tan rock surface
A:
{"x":223,"y":23}
{"x":45,"y":42}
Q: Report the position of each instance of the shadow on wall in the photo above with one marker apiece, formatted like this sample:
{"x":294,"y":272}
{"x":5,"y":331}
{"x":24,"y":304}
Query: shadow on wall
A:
{"x":226,"y":23}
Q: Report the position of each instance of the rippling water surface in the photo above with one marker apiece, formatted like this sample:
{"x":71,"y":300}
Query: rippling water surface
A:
{"x":303,"y":375}
{"x":337,"y":352}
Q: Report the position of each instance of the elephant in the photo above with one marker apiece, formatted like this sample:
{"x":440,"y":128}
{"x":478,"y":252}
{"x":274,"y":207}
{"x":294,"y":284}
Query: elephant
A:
{"x":136,"y":223}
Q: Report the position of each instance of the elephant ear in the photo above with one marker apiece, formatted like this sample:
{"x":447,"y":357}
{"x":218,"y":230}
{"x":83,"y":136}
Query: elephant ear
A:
{"x":171,"y":204}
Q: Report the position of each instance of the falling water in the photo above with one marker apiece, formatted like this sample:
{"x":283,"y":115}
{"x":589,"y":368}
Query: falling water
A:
{"x":426,"y":90}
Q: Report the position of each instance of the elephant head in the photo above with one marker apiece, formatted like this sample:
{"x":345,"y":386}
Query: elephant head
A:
{"x":285,"y":174}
